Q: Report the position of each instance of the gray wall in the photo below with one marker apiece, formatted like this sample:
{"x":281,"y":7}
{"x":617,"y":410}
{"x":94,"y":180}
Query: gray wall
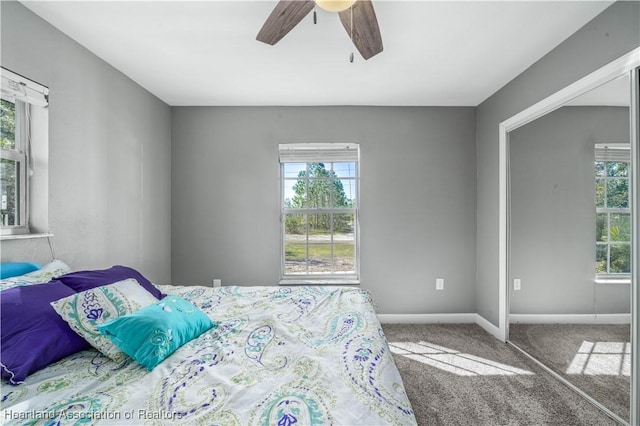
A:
{"x":112,"y":146}
{"x":417,"y":197}
{"x":109,"y":154}
{"x":553,"y":212}
{"x":610,"y":35}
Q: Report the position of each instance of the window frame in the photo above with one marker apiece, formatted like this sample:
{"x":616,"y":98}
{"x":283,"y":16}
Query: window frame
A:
{"x":31,"y":133}
{"x":327,"y":153}
{"x":611,"y":153}
{"x":20,"y":155}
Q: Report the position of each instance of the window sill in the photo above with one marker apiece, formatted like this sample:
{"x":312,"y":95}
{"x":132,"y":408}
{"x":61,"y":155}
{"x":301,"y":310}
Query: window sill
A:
{"x":319,"y":282}
{"x":24,"y":236}
{"x":609,"y":281}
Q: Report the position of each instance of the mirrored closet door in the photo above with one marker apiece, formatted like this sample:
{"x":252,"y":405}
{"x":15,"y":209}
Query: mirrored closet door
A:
{"x":570,"y":234}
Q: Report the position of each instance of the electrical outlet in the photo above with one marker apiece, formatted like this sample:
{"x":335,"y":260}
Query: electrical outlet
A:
{"x":217,"y":283}
{"x":517,"y":285}
{"x":439,"y":283}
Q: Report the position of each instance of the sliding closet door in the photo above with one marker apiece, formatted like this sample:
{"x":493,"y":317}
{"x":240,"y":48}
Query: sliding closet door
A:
{"x":635,"y":250}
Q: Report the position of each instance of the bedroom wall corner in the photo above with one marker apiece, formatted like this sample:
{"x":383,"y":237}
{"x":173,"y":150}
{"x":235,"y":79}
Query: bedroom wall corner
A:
{"x":109,"y":154}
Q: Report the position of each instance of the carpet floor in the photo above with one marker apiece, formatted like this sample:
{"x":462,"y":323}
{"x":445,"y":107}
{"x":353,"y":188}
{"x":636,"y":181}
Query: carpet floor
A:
{"x":458,"y":374}
{"x":595,"y":358}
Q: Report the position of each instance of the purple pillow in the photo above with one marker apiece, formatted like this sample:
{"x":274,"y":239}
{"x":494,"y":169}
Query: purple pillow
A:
{"x":87,"y":280}
{"x":32,"y":334}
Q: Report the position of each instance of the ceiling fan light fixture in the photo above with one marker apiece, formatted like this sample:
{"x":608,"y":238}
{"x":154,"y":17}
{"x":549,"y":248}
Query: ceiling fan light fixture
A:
{"x":335,"y":5}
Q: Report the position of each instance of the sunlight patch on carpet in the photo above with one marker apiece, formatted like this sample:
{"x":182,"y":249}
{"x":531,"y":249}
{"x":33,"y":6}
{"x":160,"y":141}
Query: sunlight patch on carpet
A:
{"x":602,"y":359}
{"x":453,"y":361}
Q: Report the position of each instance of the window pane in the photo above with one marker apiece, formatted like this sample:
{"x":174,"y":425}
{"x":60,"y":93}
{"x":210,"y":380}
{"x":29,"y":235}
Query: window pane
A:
{"x":601,"y":258}
{"x":620,"y":260}
{"x":9,"y":192}
{"x":345,"y":170}
{"x":599,"y":192}
{"x":601,"y":227}
{"x":600,"y":168}
{"x":321,"y":186}
{"x":294,"y":170}
{"x":344,"y":242}
{"x":315,"y":185}
{"x":320,"y":193}
{"x":620,"y":229}
{"x":295,"y":224}
{"x":319,"y":224}
{"x":343,"y":225}
{"x":295,"y":244}
{"x":348,"y":187}
{"x":7,"y":125}
{"x":321,"y":251}
{"x":618,"y":192}
{"x":617,"y":169}
{"x":295,"y":193}
{"x":338,"y":194}
{"x":344,"y":256}
{"x":320,"y":257}
{"x":295,"y":257}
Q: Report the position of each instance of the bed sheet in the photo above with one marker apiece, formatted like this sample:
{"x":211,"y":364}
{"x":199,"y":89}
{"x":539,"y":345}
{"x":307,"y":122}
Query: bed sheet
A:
{"x":309,"y":355}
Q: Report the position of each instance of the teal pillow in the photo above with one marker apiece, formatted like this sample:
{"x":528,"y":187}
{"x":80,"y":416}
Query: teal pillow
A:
{"x":156,"y":331}
{"x":14,"y":269}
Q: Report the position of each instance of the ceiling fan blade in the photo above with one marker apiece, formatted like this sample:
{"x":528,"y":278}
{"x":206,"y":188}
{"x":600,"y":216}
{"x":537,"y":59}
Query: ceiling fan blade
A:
{"x":286,"y":15}
{"x":366,"y":33}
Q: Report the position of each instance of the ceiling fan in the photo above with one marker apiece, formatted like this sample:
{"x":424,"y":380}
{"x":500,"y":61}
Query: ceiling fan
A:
{"x":357,"y":16}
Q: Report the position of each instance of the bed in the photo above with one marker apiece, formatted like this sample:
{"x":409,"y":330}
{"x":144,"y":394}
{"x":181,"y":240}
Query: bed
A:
{"x":308,"y":355}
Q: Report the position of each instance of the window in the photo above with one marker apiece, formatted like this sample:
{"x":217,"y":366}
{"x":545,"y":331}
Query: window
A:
{"x":19,"y":120}
{"x":14,"y":160}
{"x":319,"y":212}
{"x":613,"y":212}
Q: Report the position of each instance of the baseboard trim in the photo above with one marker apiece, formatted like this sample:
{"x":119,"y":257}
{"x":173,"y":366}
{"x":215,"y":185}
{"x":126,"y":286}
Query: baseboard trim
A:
{"x":426,"y":318}
{"x":440,"y":319}
{"x":570,"y":319}
{"x":488,"y":326}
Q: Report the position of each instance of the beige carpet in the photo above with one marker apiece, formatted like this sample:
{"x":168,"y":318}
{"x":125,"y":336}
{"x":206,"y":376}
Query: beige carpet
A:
{"x":457,"y":374}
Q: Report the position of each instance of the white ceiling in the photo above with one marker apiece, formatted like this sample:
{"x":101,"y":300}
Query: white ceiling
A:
{"x":445,"y":53}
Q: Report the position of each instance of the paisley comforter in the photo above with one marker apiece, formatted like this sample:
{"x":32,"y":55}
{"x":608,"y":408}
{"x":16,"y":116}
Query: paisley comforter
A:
{"x":280,"y":356}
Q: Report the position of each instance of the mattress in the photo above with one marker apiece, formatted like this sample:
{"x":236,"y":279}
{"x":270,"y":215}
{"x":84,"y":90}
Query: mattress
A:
{"x":309,"y":355}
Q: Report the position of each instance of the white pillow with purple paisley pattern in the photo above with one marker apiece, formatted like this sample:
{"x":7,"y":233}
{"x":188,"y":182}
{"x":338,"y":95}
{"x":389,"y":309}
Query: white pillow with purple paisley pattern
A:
{"x":51,"y":270}
{"x":86,"y":310}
